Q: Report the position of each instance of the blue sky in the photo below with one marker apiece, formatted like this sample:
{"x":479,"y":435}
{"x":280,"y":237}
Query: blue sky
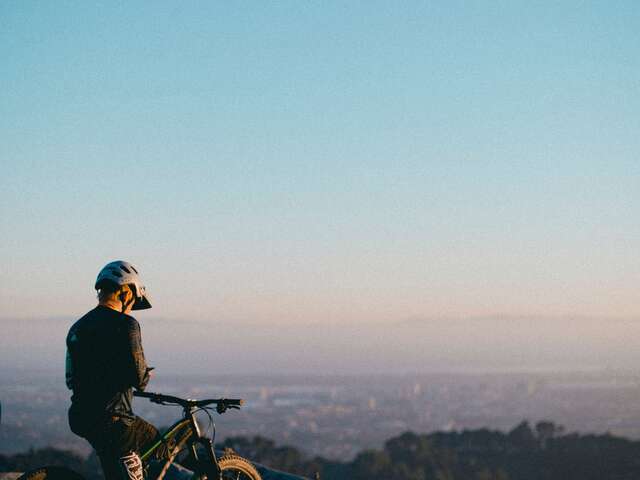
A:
{"x":311,"y":162}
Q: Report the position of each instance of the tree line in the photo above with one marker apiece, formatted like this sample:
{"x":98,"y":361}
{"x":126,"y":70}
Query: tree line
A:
{"x":540,"y":452}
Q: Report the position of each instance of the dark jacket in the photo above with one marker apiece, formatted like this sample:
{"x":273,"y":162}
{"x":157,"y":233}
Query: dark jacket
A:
{"x":105,"y":361}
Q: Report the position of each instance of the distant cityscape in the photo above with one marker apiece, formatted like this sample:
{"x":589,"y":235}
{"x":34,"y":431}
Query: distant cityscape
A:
{"x":337,"y":417}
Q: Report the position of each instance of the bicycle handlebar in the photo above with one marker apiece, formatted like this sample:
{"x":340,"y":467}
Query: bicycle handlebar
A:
{"x":221,"y":403}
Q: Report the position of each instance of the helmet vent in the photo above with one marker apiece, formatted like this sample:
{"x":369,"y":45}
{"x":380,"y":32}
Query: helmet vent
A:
{"x":116,"y":273}
{"x":134,"y":269}
{"x":125,"y":269}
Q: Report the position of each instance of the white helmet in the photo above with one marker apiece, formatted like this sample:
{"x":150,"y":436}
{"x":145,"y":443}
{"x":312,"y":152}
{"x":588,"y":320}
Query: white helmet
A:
{"x":123,"y":273}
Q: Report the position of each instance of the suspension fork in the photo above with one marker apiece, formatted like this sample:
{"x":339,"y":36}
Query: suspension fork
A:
{"x":212,"y":467}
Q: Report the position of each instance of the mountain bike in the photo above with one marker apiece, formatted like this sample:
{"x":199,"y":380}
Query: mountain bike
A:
{"x":183,"y":437}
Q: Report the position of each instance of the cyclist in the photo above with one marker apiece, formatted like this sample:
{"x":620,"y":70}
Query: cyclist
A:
{"x":105,"y":361}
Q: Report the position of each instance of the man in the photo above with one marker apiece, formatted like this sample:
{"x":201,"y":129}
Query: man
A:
{"x":105,"y":361}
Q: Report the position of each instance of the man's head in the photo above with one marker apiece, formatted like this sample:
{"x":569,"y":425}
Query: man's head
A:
{"x":117,"y":297}
{"x":119,"y":285}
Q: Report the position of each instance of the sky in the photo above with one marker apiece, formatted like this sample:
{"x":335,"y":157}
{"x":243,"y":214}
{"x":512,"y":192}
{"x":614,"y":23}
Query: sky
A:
{"x":325,"y":165}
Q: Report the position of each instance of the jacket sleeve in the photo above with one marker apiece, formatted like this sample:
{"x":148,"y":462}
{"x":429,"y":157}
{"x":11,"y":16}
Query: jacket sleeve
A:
{"x":138,"y":373}
{"x":69,"y":370}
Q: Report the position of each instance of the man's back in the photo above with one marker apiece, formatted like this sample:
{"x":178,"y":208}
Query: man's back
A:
{"x":105,"y":360}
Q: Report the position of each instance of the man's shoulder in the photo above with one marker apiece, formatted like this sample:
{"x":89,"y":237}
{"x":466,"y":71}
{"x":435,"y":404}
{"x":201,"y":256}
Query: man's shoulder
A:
{"x":129,"y":319}
{"x":116,"y":321}
{"x":130,"y":323}
{"x":83,"y":320}
{"x":101,"y":317}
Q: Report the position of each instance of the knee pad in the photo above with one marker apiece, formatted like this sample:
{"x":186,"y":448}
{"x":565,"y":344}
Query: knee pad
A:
{"x":131,"y":466}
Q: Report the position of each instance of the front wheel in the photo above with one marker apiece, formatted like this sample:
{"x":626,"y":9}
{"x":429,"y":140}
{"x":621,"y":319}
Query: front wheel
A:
{"x":234,"y":467}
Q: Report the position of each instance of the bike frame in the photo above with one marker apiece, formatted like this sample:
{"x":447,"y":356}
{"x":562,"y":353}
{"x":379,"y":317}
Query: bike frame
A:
{"x":193,"y":441}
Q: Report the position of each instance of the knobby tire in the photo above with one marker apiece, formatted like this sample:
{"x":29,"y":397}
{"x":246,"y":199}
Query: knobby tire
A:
{"x":234,"y":467}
